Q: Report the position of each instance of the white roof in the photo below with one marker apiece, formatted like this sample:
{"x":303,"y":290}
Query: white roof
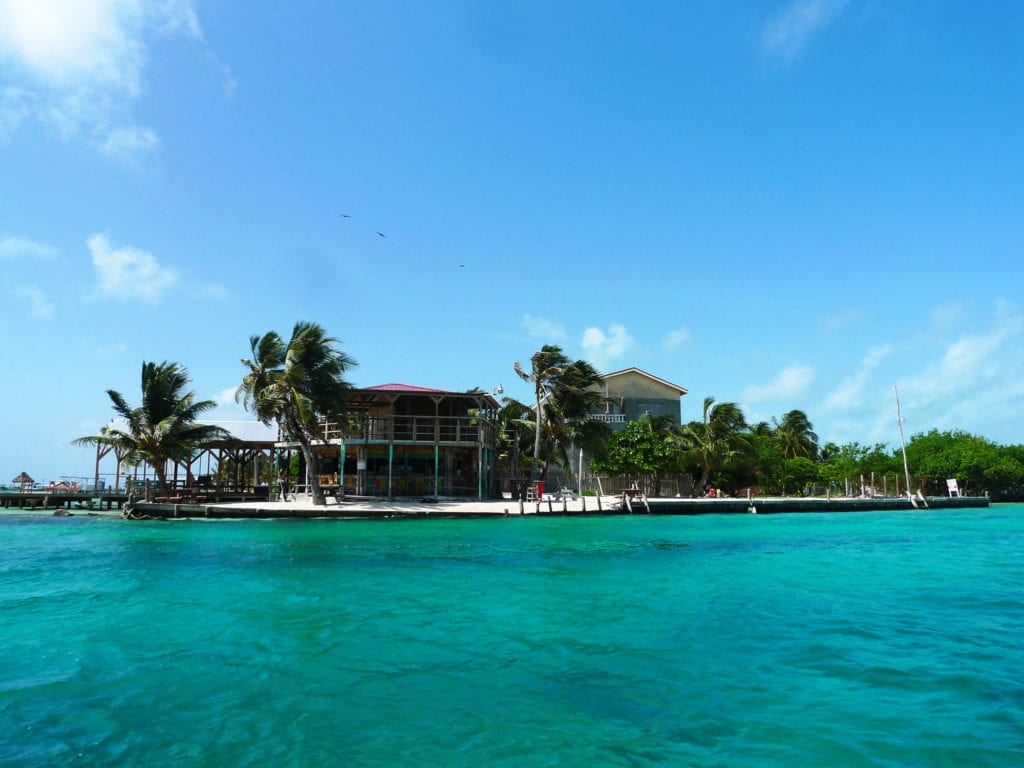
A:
{"x":246,"y":431}
{"x":682,"y":390}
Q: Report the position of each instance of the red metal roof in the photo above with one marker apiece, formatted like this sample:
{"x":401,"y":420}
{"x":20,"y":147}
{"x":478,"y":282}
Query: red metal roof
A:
{"x":407,"y":388}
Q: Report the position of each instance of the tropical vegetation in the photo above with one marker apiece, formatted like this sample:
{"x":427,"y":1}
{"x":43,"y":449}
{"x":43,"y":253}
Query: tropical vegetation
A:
{"x":164,"y":428}
{"x":299,"y":385}
{"x":566,"y":392}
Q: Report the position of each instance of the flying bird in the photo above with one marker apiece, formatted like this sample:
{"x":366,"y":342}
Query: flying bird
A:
{"x":382,"y":234}
{"x":346,"y":215}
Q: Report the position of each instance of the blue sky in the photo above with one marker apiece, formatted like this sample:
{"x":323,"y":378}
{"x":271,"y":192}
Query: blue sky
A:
{"x":791,"y":204}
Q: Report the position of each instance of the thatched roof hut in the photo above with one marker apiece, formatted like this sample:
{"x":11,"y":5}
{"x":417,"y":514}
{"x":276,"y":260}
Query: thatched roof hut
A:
{"x":24,"y":480}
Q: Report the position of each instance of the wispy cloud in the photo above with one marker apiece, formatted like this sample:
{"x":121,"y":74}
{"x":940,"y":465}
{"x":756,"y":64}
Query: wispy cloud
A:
{"x":676,"y":338}
{"x":977,"y":384}
{"x":129,"y":142}
{"x":542,"y":328}
{"x":111,"y":351}
{"x":948,"y":315}
{"x":226,"y":396}
{"x":847,"y":395}
{"x":840,"y":320}
{"x":76,"y":66}
{"x":973,"y":361}
{"x":13,"y":247}
{"x":213,"y":291}
{"x":791,"y":382}
{"x":603,"y":348}
{"x":227,"y":407}
{"x":39,"y":305}
{"x":788,"y":31}
{"x":129,"y":273}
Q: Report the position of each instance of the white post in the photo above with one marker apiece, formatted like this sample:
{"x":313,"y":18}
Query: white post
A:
{"x":579,"y":475}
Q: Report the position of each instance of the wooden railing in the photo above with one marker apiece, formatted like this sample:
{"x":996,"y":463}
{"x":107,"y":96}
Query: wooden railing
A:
{"x":412,"y":429}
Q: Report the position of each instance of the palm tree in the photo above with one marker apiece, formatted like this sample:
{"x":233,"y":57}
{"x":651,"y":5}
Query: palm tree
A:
{"x":714,"y":441}
{"x":164,"y":428}
{"x":575,"y":395}
{"x":567,"y":393}
{"x":515,"y":422}
{"x":546,"y":366}
{"x":294,"y":384}
{"x":795,"y":436}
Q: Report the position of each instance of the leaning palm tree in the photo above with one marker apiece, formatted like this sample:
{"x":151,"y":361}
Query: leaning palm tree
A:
{"x":294,"y":384}
{"x":574,"y":397}
{"x":546,"y":366}
{"x":164,"y":428}
{"x":715,"y":441}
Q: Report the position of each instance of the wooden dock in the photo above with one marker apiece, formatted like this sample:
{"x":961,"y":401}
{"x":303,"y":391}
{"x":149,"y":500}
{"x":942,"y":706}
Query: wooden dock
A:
{"x":62,"y":500}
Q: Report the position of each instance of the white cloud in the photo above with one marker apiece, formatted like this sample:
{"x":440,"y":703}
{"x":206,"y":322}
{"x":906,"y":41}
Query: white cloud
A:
{"x":75,"y":66}
{"x":675,"y":339}
{"x":790,"y":28}
{"x":127,"y":272}
{"x":603,"y":348}
{"x":129,"y":142}
{"x":948,"y":315}
{"x":11,"y":247}
{"x":228,"y":409}
{"x":974,"y":382}
{"x":39,"y":305}
{"x":542,"y":328}
{"x":788,"y":384}
{"x":840,"y":320}
{"x":109,"y":352}
{"x":214,"y":291}
{"x":973,"y":361}
{"x":226,"y":396}
{"x":850,"y":389}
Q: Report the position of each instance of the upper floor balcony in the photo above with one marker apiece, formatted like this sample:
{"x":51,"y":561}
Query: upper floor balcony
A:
{"x":389,"y":428}
{"x":609,"y":418}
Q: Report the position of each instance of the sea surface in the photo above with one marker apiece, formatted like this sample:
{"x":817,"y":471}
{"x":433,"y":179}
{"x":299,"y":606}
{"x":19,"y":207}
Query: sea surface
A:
{"x":856,"y":639}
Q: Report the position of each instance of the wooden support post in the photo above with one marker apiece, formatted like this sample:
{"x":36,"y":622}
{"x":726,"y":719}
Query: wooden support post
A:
{"x":521,"y":505}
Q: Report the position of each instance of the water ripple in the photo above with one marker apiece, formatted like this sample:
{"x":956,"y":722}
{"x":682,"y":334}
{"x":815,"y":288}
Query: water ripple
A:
{"x":874,"y":639}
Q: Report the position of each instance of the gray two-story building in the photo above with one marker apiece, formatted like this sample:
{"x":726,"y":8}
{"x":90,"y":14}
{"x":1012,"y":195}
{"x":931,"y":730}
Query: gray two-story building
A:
{"x":632,"y":393}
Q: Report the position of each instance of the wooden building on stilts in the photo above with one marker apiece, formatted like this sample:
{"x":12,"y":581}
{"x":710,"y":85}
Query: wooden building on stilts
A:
{"x":403,"y":441}
{"x":396,"y":441}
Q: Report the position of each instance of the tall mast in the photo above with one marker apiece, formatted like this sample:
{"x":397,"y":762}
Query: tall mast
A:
{"x":903,"y":444}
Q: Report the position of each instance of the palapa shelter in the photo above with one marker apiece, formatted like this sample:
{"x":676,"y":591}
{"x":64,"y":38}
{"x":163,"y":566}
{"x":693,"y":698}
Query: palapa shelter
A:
{"x":25,"y":481}
{"x":245,"y":459}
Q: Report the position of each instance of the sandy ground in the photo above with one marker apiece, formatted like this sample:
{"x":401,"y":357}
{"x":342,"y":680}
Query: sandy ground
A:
{"x":383,"y":508}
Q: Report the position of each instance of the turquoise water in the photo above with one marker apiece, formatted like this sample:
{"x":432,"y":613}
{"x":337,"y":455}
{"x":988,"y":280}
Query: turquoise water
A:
{"x":870,"y":639}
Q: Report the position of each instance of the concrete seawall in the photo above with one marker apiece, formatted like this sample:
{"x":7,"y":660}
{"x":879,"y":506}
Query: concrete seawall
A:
{"x":546,"y":508}
{"x":786,"y":505}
